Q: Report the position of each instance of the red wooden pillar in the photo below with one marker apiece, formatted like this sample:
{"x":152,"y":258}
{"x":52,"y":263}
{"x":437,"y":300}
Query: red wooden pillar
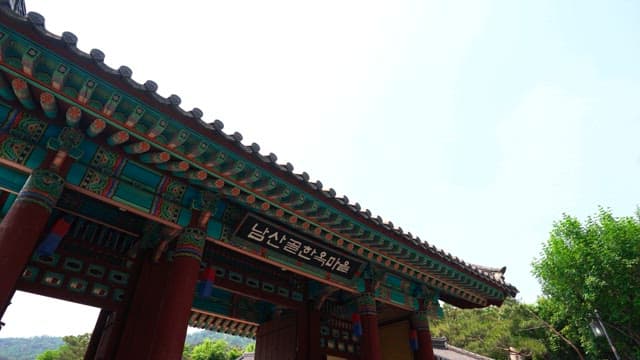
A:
{"x":420,"y":322}
{"x":302,"y":330}
{"x":308,"y":329}
{"x":314,"y":333}
{"x":138,"y":335}
{"x":370,"y":340}
{"x":96,"y":335}
{"x":178,"y":295}
{"x":111,"y":335}
{"x":23,"y":225}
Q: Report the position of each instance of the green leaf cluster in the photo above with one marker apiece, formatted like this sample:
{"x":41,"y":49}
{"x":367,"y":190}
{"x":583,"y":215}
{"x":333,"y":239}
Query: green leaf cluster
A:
{"x":492,"y":331}
{"x":198,"y":345}
{"x":214,"y":350}
{"x":73,"y":348}
{"x":588,"y":266}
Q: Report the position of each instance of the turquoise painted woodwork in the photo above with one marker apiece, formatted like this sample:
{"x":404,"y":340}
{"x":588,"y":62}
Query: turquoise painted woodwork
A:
{"x":97,"y":181}
{"x":214,"y":229}
{"x":228,"y":172}
{"x":12,"y":179}
{"x":43,"y":187}
{"x":133,"y":196}
{"x":7,"y":205}
{"x":146,"y":177}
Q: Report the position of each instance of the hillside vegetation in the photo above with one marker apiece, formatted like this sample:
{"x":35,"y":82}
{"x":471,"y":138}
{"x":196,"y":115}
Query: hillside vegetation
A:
{"x":51,"y":348}
{"x":27,"y":348}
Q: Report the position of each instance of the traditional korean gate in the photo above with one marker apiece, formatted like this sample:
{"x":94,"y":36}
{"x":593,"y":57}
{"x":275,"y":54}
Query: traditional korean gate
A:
{"x":113,"y":196}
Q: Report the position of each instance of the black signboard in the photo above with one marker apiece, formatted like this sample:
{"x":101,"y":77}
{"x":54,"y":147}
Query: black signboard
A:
{"x":290,"y":244}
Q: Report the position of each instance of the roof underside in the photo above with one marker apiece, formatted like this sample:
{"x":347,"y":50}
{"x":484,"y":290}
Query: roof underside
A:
{"x":221,"y":163}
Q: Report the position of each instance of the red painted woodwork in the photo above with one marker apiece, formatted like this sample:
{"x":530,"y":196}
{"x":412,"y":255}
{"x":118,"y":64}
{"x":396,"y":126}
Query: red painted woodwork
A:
{"x":96,"y":335}
{"x":63,"y":294}
{"x":171,"y":328}
{"x":4,"y":195}
{"x":276,"y":339}
{"x":313,"y":339}
{"x":370,"y":340}
{"x":303,"y":334}
{"x":257,"y":294}
{"x":308,"y":333}
{"x":19,"y":233}
{"x":425,"y":347}
{"x":138,"y":336}
{"x":111,"y":336}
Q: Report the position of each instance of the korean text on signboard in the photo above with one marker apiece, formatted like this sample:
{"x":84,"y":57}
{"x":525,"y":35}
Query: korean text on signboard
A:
{"x":295,"y":246}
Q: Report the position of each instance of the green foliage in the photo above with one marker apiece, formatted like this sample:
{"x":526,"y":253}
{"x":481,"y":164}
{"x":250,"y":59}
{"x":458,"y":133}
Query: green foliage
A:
{"x":234,"y":341}
{"x":595,"y":265}
{"x":218,"y":350}
{"x":186,"y":351}
{"x":491,"y":331}
{"x":49,"y":355}
{"x":73,"y":348}
{"x":250,"y":348}
{"x":27,"y":348}
{"x":213,"y":345}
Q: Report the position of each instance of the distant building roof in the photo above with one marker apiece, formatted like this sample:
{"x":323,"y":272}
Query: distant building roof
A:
{"x":246,"y":356}
{"x":443,"y":351}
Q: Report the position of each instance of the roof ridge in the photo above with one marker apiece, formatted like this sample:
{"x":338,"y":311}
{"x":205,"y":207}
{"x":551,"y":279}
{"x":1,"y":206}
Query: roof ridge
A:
{"x":149,"y":87}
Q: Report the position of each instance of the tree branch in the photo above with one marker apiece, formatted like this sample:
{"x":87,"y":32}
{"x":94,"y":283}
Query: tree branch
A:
{"x":557,"y":333}
{"x":631,"y":335}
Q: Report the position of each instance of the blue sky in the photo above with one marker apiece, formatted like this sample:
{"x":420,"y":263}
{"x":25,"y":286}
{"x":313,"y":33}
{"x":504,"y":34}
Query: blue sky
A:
{"x":473,"y":124}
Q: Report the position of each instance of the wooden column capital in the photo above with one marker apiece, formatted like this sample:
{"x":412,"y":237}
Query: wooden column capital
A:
{"x":420,"y":322}
{"x":23,"y":226}
{"x":370,"y":340}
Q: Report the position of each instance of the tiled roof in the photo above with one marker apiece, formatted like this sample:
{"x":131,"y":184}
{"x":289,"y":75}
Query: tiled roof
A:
{"x":443,"y":351}
{"x":247,"y":356}
{"x":122,"y":77}
{"x":496,"y":273}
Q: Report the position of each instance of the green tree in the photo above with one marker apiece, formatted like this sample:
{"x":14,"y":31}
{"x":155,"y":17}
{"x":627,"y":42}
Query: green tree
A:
{"x":492,"y":331}
{"x":234,"y":353}
{"x":214,"y":350}
{"x":588,"y":266}
{"x":186,"y":351}
{"x":49,"y":355}
{"x":73,"y":348}
{"x":250,"y":348}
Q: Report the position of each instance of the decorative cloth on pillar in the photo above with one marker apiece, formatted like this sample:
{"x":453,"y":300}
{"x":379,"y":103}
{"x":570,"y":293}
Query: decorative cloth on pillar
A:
{"x":367,"y":304}
{"x":190,"y":243}
{"x":357,"y":324}
{"x":58,"y":231}
{"x":43,"y":187}
{"x":413,"y":340}
{"x":207,"y":277}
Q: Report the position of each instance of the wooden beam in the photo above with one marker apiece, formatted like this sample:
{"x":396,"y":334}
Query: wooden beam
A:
{"x":67,"y":295}
{"x":244,"y":290}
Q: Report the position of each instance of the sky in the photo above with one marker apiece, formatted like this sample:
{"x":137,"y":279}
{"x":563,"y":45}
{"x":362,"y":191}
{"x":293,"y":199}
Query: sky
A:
{"x":472,"y":124}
